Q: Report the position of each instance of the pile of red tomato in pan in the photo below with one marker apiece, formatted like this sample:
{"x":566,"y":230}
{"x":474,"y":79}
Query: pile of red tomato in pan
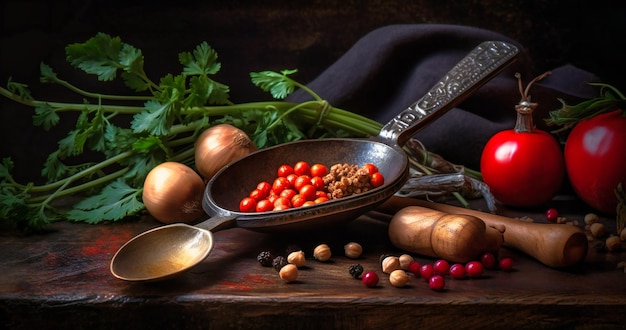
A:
{"x":297,"y":186}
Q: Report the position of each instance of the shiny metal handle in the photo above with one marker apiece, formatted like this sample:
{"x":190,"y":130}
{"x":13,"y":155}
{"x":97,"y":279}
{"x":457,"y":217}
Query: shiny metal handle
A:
{"x":476,"y":68}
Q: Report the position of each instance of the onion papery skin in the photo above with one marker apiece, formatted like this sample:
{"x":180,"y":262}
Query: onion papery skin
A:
{"x":218,"y":146}
{"x":172,"y":192}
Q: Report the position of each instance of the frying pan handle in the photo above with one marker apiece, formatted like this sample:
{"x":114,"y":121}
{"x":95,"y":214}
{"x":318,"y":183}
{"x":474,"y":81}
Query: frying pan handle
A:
{"x":476,"y":68}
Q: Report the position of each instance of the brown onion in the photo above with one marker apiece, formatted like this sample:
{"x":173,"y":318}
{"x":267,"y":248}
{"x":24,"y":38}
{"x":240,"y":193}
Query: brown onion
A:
{"x":218,"y":146}
{"x":173,"y":192}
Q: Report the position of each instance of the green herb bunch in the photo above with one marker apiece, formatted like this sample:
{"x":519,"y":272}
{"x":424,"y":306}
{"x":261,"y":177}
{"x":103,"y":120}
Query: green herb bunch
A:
{"x":165,"y":119}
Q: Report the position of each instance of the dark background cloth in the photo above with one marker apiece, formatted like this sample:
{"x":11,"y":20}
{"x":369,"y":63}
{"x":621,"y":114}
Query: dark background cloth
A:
{"x":313,"y":36}
{"x":393,"y":66}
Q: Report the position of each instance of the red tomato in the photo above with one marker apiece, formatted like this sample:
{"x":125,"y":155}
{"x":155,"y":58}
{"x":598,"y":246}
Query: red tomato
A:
{"x":280,"y":184}
{"x":308,"y":192}
{"x":318,"y":182}
{"x":319,"y":170}
{"x":264,"y":187}
{"x":297,"y":201}
{"x":377,"y":179}
{"x":322,"y":199}
{"x":288,"y":193}
{"x":247,"y":205}
{"x":524,"y":169}
{"x":301,"y":181}
{"x":595,"y":158}
{"x":282,"y":201}
{"x":370,"y":168}
{"x":258,"y":195}
{"x":302,"y":168}
{"x":264,"y":206}
{"x":284,"y":170}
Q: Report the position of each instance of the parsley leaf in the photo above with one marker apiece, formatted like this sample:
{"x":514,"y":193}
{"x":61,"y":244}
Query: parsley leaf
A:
{"x":278,"y":84}
{"x":203,"y":61}
{"x":45,"y":116}
{"x":114,"y":202}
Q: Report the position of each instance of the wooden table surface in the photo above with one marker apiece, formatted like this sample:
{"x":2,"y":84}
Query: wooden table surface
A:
{"x":61,"y":279}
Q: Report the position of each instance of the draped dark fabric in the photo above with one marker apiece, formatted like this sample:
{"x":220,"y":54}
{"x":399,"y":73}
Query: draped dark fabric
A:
{"x":393,"y":66}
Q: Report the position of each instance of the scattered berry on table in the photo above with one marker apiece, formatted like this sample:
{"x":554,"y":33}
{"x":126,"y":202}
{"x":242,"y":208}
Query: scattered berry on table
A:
{"x":457,"y":271}
{"x":474,"y":269}
{"x":552,"y":215}
{"x":488,"y":260}
{"x":437,"y":282}
{"x":506,"y":264}
{"x":414,"y":267}
{"x":370,"y":279}
{"x":355,"y":270}
{"x":427,"y":271}
{"x":441,"y":267}
{"x":265,"y":258}
{"x":279,"y":262}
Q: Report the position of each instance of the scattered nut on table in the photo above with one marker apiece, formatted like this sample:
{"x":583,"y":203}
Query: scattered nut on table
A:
{"x":398,"y":278}
{"x":353,"y":250}
{"x":322,"y":252}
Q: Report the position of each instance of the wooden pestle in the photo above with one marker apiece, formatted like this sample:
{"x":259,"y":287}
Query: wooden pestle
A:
{"x":554,"y":245}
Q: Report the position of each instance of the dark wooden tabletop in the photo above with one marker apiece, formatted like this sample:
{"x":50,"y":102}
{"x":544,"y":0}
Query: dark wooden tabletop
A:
{"x":61,"y":279}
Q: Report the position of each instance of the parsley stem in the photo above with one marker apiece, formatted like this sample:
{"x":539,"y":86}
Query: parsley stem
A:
{"x":61,"y":191}
{"x":89,"y":170}
{"x":98,"y":95}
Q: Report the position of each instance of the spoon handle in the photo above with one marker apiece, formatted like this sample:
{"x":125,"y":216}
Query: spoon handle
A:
{"x":218,"y":222}
{"x":475,"y":69}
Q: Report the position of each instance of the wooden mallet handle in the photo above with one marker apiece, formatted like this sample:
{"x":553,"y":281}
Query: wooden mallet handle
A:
{"x":554,"y":245}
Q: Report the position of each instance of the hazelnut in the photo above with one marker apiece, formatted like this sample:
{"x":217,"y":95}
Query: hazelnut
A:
{"x":297,"y":258}
{"x":390,"y":264}
{"x":289,"y":272}
{"x":405,"y":261}
{"x":398,"y":278}
{"x":613,"y":244}
{"x":622,"y":234}
{"x":591,"y":218}
{"x":322,"y":252}
{"x":597,"y":229}
{"x":353,"y":250}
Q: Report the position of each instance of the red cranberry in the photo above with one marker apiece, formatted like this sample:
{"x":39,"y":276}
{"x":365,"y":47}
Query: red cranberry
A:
{"x":414,"y":267}
{"x":427,"y":271}
{"x":552,"y":214}
{"x":441,"y":267}
{"x":474,"y":269}
{"x":370,"y":279}
{"x":488,"y":260}
{"x":437,"y":282}
{"x":457,"y":271}
{"x":506,"y":264}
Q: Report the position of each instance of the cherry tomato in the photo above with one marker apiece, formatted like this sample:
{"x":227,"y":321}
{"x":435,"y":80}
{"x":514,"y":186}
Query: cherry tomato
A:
{"x":308,"y":192}
{"x":321,"y":199}
{"x":301,"y":181}
{"x":302,"y":168}
{"x":320,"y":194}
{"x":258,"y":195}
{"x":377,"y":179}
{"x":280,"y":184}
{"x":370,"y":168}
{"x":308,"y":203}
{"x":318,"y":182}
{"x":284,"y":170}
{"x":595,"y":158}
{"x":297,"y":201}
{"x":292,"y":179}
{"x":264,"y":206}
{"x":319,"y":170}
{"x":265,"y":187}
{"x":247,"y":204}
{"x":282,"y":201}
{"x":288,"y":193}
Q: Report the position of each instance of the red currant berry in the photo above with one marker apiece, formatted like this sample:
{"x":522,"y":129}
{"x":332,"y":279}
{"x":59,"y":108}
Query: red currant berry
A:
{"x":370,"y":279}
{"x":441,"y":267}
{"x":414,"y":268}
{"x":488,"y":260}
{"x":506,"y":264}
{"x":552,"y":214}
{"x":474,"y":269}
{"x":457,"y":271}
{"x":437,"y":282}
{"x":427,"y":271}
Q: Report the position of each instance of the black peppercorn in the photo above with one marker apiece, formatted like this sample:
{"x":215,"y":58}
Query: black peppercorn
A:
{"x":356,"y":270}
{"x":265,"y":258}
{"x":279,"y":262}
